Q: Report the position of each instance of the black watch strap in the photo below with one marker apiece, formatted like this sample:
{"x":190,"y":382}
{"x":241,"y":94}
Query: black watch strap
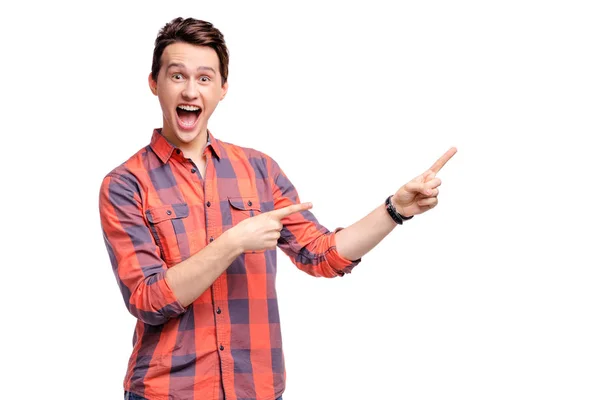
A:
{"x":396,"y":216}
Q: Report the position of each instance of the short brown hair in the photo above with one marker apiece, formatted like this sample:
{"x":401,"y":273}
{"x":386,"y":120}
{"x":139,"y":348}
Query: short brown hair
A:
{"x":192,"y":31}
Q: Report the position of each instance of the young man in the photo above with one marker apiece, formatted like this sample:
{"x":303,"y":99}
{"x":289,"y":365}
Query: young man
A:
{"x":191,"y":224}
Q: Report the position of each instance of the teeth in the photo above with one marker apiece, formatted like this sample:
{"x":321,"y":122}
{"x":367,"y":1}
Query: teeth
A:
{"x":189,"y":108}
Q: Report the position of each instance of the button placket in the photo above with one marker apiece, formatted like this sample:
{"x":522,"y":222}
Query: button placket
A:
{"x":211,"y":231}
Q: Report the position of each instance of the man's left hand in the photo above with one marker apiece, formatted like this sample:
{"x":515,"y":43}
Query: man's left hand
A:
{"x":420,"y":194}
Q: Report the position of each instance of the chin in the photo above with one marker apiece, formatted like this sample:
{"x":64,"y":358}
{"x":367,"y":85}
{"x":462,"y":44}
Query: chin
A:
{"x":187,"y":137}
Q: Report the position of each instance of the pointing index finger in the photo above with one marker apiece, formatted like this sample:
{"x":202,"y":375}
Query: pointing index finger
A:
{"x":437,"y":166}
{"x":289,"y":210}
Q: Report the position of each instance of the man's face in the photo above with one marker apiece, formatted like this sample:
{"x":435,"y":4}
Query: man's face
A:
{"x":189,"y":88}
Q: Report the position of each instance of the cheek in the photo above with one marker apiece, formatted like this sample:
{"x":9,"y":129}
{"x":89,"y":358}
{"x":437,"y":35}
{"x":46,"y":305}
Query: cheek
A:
{"x":211,"y":99}
{"x":165,"y":100}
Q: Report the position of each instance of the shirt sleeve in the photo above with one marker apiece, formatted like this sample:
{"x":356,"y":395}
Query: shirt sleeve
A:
{"x":310,"y":246}
{"x":134,"y":255}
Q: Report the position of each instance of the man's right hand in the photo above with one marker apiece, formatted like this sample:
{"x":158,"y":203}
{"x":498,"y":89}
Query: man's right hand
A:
{"x":262,"y":231}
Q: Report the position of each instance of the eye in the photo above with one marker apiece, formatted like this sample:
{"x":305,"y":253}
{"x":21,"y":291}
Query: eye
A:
{"x":204,"y":79}
{"x":177,"y":77}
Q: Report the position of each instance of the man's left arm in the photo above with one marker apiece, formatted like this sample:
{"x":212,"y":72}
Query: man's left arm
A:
{"x":416,"y":197}
{"x":308,"y":244}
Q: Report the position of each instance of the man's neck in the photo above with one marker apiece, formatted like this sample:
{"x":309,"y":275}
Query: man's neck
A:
{"x":195,"y":148}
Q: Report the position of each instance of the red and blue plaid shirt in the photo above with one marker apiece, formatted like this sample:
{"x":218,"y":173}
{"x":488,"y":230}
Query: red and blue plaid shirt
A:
{"x":157,"y":210}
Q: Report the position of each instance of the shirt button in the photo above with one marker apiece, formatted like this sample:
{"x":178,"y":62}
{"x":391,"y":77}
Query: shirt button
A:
{"x":208,"y":204}
{"x":211,"y":239}
{"x":178,"y":151}
{"x":218,"y":310}
{"x":193,"y":170}
{"x":168,"y":212}
{"x":249,"y":203}
{"x":221,"y":348}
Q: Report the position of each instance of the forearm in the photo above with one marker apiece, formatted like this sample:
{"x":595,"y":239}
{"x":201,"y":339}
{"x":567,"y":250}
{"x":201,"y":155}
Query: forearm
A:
{"x":192,"y":277}
{"x":359,"y":238}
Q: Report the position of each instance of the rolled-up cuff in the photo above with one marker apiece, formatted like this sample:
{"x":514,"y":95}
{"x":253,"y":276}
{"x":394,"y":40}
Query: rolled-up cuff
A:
{"x":335,"y":260}
{"x":174,"y":308}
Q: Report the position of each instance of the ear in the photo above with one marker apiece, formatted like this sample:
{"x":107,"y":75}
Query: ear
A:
{"x":224,"y":89}
{"x":152,"y":84}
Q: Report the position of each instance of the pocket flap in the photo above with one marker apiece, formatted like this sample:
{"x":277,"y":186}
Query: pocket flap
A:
{"x":245,"y":203}
{"x":169,"y":211}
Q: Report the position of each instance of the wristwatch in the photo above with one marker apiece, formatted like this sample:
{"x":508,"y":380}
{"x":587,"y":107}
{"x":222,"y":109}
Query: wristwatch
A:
{"x":396,"y":216}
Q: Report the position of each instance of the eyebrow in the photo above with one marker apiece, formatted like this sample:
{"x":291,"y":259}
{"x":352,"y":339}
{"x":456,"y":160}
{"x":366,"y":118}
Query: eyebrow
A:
{"x":201,"y":68}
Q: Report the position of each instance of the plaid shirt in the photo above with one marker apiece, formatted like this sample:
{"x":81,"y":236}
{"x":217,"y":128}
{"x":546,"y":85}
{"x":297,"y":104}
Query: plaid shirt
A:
{"x":157,"y":210}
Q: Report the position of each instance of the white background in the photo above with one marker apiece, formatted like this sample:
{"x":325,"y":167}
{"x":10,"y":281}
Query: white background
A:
{"x":492,"y":295}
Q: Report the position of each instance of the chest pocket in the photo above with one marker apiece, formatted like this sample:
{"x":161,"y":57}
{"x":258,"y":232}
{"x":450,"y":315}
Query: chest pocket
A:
{"x":167,"y":226}
{"x":242,"y":208}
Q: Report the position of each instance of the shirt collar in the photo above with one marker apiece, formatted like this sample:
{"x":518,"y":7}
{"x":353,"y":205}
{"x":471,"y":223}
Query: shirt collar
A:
{"x":164,"y":149}
{"x":215,"y":145}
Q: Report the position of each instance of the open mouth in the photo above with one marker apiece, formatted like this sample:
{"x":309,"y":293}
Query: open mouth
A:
{"x":187,"y":115}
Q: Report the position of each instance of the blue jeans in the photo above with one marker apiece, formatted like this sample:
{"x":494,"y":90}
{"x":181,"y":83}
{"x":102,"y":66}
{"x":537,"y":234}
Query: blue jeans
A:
{"x":133,"y":396}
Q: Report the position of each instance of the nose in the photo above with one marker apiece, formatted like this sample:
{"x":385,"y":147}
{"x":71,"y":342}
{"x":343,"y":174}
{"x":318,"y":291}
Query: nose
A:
{"x":191,"y":90}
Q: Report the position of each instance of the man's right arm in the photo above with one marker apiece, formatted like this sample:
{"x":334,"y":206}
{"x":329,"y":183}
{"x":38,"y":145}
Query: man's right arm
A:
{"x":153,"y":292}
